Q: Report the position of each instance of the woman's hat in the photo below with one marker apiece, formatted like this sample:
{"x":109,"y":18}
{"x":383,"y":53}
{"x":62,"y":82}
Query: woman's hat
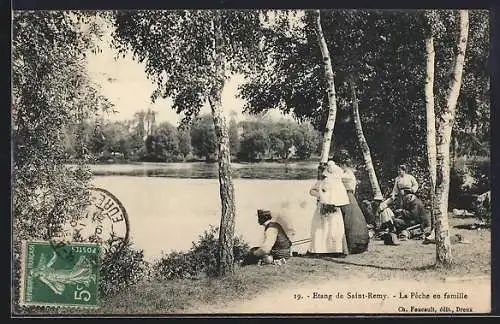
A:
{"x":330,"y":165}
{"x":329,"y":168}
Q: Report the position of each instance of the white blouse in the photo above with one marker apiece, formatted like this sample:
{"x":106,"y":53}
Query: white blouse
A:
{"x":407,"y":182}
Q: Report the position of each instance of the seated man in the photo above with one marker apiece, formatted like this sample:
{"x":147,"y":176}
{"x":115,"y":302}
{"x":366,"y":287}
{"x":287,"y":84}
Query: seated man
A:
{"x":412,"y":214}
{"x":371,"y":211}
{"x":276,"y":244}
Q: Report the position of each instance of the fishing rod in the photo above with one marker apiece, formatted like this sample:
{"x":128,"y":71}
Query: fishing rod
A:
{"x":302,"y":241}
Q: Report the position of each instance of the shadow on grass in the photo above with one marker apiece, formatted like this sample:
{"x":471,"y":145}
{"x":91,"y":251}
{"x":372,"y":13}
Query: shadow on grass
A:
{"x":473,"y":226}
{"x":368,"y":265}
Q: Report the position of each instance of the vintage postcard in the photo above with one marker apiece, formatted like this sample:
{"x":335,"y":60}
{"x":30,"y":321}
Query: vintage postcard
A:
{"x":332,"y":161}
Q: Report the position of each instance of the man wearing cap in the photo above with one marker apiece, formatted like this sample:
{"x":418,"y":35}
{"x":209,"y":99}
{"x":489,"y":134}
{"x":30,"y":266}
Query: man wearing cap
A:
{"x":414,"y":213}
{"x":276,"y":245}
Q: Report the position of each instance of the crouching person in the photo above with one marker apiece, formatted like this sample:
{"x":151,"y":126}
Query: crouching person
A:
{"x":414,"y":215}
{"x":276,"y":245}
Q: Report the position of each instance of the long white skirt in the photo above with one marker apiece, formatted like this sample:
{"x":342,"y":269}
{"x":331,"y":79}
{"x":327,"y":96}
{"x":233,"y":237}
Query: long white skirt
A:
{"x":328,"y":233}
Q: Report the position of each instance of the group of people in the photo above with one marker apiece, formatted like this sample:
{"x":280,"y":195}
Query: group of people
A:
{"x":410,"y":215}
{"x":339,"y":226}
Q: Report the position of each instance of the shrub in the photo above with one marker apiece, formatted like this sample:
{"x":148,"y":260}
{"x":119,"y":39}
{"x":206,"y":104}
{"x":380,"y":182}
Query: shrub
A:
{"x":484,"y":215}
{"x":467,"y":179}
{"x":200,"y":259}
{"x":121,"y":268}
{"x":480,"y":171}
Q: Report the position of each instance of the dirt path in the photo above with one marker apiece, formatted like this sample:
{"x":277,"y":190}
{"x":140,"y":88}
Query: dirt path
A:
{"x":364,"y":295}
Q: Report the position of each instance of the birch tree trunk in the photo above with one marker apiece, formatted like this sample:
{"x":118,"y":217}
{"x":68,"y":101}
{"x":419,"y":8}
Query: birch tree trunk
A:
{"x":443,"y":245}
{"x":332,"y":100}
{"x":365,"y":149}
{"x":226,"y":188}
{"x":431,"y":119}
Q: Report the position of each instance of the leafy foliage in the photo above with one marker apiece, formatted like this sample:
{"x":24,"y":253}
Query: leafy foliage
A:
{"x":121,"y":267}
{"x":472,"y":125}
{"x":185,"y":148}
{"x":200,"y":259}
{"x":203,"y":137}
{"x":50,"y":92}
{"x":262,"y":138}
{"x":254,"y":144}
{"x":384,"y":53}
{"x":163,"y":145}
{"x":120,"y":140}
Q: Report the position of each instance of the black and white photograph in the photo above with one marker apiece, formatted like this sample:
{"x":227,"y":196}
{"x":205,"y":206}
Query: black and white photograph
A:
{"x":251,"y":161}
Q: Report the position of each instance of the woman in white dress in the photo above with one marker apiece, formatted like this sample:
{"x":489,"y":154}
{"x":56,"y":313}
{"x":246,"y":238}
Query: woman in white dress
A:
{"x":327,"y":227}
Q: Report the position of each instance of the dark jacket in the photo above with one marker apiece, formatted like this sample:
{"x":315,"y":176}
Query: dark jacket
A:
{"x":282,"y":240}
{"x":415,"y":213}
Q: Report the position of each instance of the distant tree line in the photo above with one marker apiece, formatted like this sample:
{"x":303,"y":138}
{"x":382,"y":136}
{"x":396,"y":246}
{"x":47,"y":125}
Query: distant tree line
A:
{"x":140,"y":139}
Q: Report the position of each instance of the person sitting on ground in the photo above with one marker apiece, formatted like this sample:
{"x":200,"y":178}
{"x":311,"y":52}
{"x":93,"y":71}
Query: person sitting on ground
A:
{"x":388,"y":232}
{"x":414,"y":213}
{"x":387,"y":217}
{"x":371,"y":212}
{"x":276,"y":245}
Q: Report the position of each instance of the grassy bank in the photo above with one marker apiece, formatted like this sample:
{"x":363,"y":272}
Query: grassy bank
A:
{"x":409,"y":265}
{"x":412,"y":261}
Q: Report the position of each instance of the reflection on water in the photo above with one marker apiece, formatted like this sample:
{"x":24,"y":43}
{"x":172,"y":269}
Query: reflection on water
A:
{"x":200,"y":170}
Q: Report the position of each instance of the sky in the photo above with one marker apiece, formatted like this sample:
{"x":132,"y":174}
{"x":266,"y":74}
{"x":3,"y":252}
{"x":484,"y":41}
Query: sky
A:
{"x":124,"y":82}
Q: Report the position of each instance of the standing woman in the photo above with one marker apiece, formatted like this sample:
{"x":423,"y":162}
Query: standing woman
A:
{"x":356,"y":229}
{"x":327,"y":228}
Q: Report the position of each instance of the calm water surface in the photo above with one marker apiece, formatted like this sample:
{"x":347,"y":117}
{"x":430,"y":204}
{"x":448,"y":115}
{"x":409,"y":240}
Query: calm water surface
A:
{"x":170,"y":204}
{"x":201,"y":170}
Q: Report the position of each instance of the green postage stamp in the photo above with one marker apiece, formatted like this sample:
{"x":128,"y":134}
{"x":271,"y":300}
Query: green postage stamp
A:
{"x":60,"y":274}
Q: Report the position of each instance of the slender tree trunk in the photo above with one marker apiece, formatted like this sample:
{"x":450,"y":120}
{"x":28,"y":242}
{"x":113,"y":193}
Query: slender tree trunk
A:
{"x":332,"y":101}
{"x":431,"y":120}
{"x":226,"y":188}
{"x":454,"y":149}
{"x":365,"y":149}
{"x":443,"y":245}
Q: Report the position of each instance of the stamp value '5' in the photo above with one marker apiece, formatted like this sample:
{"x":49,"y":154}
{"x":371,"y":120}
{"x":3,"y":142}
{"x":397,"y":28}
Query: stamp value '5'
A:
{"x":60,"y":274}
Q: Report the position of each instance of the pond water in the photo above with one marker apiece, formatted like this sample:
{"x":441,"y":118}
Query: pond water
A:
{"x":201,"y":170}
{"x":170,"y":204}
{"x":168,"y":214}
